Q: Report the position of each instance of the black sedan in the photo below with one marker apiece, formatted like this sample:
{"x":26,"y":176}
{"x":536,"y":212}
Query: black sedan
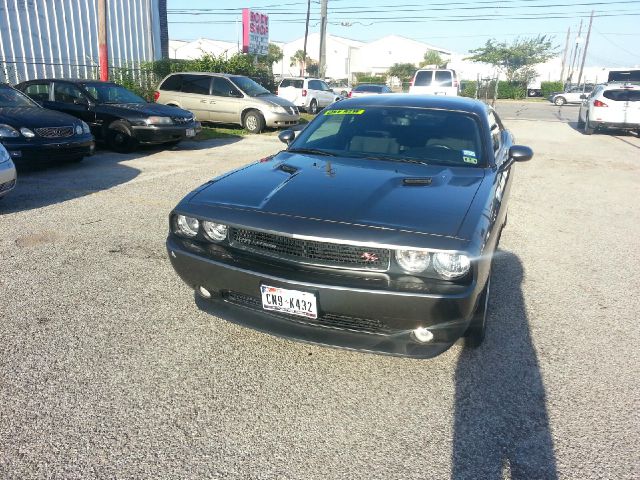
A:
{"x":374,"y":230}
{"x":32,"y":134}
{"x":116,"y":115}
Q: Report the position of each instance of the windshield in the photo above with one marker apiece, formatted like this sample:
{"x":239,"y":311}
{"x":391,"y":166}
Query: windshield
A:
{"x":250,"y":87}
{"x":396,"y":133}
{"x":13,"y":98}
{"x":111,"y":93}
{"x":368,"y":88}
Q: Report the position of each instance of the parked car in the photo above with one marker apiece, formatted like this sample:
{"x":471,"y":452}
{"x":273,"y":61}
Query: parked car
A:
{"x":571,"y":95}
{"x":116,"y":116}
{"x":611,"y":105}
{"x":430,"y":81}
{"x":374,"y":230}
{"x":225,"y":98}
{"x":368,"y":89}
{"x":340,"y":87}
{"x":31,"y":133}
{"x":7,"y":172}
{"x":309,"y":94}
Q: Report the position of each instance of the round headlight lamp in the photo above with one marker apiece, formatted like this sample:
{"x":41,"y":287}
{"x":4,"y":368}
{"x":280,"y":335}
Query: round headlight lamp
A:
{"x":451,"y":265}
{"x":215,"y":231}
{"x":186,"y":226}
{"x":413,"y":261}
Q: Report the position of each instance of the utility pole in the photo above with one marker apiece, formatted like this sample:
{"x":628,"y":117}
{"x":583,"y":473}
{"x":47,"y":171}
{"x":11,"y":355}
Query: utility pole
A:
{"x":564,"y":56}
{"x":323,"y":38}
{"x":103,"y":50}
{"x":306,"y":34}
{"x":586,"y":45}
{"x":574,"y":53}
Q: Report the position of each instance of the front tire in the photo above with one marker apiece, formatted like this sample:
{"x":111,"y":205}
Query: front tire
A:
{"x":588,"y":129}
{"x":559,"y":101}
{"x":253,"y":122}
{"x":474,"y":336}
{"x":313,"y":107}
{"x":120,"y":137}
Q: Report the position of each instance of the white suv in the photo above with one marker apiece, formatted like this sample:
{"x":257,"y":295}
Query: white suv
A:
{"x":435,"y":81}
{"x":310,"y":94}
{"x":612,"y":105}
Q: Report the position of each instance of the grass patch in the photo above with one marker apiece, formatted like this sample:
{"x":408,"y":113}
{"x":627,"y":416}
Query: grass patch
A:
{"x":306,"y":117}
{"x":209,"y":133}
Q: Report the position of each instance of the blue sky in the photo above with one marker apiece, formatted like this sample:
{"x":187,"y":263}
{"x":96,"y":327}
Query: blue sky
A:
{"x":458,"y":25}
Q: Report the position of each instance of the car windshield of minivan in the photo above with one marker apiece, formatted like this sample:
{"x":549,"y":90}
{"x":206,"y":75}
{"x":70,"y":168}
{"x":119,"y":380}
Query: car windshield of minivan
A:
{"x":110,"y":93}
{"x":250,"y":87}
{"x":12,"y":98}
{"x":413,"y":135}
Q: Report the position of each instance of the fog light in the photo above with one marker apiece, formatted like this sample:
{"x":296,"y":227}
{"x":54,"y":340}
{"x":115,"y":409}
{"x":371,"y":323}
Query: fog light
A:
{"x":203,"y":292}
{"x":423,"y":335}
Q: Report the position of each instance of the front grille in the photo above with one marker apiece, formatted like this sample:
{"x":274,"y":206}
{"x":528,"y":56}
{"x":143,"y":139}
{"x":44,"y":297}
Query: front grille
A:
{"x":181,"y":120}
{"x":55,"y":132}
{"x":7,"y":186}
{"x":310,"y":252}
{"x":343,"y":322}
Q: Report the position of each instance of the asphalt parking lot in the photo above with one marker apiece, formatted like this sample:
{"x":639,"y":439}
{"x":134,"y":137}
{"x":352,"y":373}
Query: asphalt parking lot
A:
{"x":108,"y":370}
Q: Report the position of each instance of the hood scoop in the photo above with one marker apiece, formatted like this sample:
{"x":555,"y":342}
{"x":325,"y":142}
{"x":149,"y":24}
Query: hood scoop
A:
{"x":291,"y":170}
{"x":417,"y":181}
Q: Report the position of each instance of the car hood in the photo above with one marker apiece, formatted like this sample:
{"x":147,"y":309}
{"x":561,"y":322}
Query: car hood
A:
{"x":35,"y":117}
{"x":354,"y":191}
{"x":275,"y":100}
{"x":144,"y":109}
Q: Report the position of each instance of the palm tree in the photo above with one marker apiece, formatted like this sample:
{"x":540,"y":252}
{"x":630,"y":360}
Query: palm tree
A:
{"x":300,"y":60}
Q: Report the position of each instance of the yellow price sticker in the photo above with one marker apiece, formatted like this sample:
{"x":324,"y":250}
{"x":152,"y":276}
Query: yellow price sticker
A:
{"x":344,"y":112}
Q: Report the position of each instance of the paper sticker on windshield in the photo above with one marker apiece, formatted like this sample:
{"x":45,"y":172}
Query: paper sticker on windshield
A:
{"x":344,"y":112}
{"x":468,"y":153}
{"x":467,"y":159}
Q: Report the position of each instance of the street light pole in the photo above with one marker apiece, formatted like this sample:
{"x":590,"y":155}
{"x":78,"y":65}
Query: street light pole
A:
{"x":323,"y":38}
{"x":586,"y":45}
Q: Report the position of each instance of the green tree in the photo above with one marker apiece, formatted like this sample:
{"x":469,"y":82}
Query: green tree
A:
{"x":404,"y":71}
{"x":313,"y":68}
{"x":431,"y":57}
{"x":274,"y":55}
{"x":298,"y":59}
{"x":515,"y":60}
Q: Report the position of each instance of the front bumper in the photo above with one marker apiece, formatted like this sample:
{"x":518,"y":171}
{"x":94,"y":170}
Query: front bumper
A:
{"x":7,"y":177}
{"x":373,"y":320}
{"x":280,"y":120}
{"x":154,"y":134}
{"x":40,"y":150}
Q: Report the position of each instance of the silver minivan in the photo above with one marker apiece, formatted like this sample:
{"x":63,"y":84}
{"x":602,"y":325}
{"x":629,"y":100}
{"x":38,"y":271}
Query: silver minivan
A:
{"x":227,"y":98}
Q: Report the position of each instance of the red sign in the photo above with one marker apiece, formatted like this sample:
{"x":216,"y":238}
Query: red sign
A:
{"x":255,"y":32}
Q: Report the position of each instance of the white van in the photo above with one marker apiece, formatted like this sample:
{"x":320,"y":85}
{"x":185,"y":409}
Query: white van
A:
{"x":431,"y":81}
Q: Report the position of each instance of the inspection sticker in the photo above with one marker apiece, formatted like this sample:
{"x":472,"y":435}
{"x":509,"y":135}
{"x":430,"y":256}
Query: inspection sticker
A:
{"x":469,"y":153}
{"x":467,"y":159}
{"x":344,"y":112}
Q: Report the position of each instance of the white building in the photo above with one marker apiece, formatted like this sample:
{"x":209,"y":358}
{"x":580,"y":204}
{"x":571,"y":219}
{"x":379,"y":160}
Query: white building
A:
{"x":196,"y":48}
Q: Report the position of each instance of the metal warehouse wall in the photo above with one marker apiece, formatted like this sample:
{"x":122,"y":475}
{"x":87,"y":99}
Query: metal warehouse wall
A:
{"x":46,"y":38}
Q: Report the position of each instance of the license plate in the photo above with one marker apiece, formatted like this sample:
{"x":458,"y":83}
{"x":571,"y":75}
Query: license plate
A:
{"x":289,"y":301}
{"x":191,"y":132}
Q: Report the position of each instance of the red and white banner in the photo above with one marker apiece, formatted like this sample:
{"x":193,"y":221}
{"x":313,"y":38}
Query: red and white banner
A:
{"x":255,"y":32}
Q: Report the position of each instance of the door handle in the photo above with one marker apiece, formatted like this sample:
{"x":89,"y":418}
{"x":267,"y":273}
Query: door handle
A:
{"x":212,"y":101}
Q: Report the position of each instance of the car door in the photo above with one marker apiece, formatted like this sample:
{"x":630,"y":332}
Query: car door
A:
{"x":225,"y":101}
{"x":195,"y":95}
{"x":315,"y":91}
{"x":69,"y":98}
{"x":501,"y":142}
{"x":328,"y":96}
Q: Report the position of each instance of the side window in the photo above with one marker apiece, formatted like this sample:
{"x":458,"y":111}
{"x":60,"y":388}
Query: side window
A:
{"x":172,"y":83}
{"x":222,"y":87}
{"x":443,"y":78}
{"x":297,"y":83}
{"x":494,"y":124}
{"x":67,"y":93}
{"x":423,"y":78}
{"x":315,"y":85}
{"x":324,"y":86}
{"x":196,"y":84}
{"x":38,"y":91}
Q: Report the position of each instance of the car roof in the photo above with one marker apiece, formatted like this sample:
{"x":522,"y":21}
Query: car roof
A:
{"x":440,"y":102}
{"x":70,"y":80}
{"x":211,"y":74}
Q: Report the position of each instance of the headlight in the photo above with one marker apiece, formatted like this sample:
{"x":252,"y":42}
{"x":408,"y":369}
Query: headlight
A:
{"x":27,"y":133}
{"x":215,"y":231}
{"x":451,"y":265}
{"x":413,"y":261}
{"x":4,"y":155}
{"x":78,"y":129}
{"x":277,"y":109}
{"x":186,"y":226}
{"x":7,"y":131}
{"x":85,"y":128}
{"x":159,"y":121}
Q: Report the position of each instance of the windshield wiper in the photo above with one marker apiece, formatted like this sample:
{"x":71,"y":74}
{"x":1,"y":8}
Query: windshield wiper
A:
{"x":262,"y":93}
{"x":313,"y":151}
{"x":393,"y":159}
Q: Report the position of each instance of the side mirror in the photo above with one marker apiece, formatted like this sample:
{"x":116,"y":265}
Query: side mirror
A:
{"x":520,"y":153}
{"x":287,"y":136}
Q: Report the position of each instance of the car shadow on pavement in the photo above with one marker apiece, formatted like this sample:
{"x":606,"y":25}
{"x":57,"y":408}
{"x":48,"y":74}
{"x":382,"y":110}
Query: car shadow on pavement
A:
{"x":48,"y":184}
{"x":501,"y":423}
